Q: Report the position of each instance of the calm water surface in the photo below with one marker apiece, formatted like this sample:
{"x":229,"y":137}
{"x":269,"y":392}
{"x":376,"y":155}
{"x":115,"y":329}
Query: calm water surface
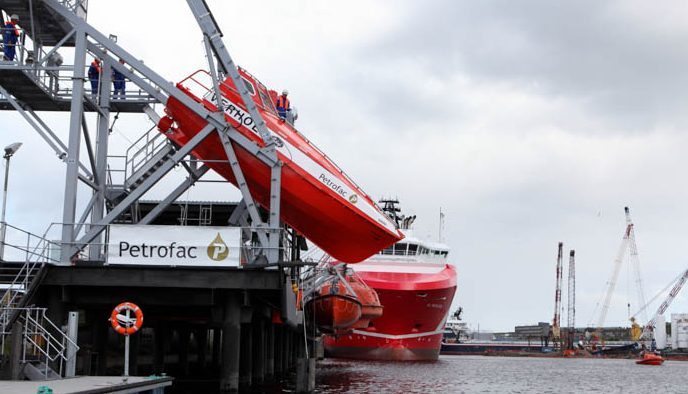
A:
{"x":480,"y":374}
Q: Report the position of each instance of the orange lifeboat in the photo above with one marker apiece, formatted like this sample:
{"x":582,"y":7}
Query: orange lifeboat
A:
{"x":338,"y":300}
{"x":650,"y":359}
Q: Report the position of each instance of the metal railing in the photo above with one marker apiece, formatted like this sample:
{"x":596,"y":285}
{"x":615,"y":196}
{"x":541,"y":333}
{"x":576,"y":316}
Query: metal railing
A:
{"x":57,"y":80}
{"x":79,"y":7}
{"x":43,"y":340}
{"x":145,"y":151}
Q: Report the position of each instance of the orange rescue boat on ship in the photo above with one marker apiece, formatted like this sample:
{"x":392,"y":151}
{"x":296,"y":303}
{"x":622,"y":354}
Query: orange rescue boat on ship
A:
{"x":317,"y":198}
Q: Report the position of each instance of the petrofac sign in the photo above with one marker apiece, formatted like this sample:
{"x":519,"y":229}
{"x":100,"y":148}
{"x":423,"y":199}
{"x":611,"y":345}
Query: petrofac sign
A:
{"x":174,"y":246}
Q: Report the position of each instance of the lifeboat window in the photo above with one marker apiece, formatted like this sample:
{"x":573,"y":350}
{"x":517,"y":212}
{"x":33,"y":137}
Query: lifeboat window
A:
{"x":412,"y":249}
{"x":400,"y":249}
{"x":249,"y":86}
{"x":267,"y":103}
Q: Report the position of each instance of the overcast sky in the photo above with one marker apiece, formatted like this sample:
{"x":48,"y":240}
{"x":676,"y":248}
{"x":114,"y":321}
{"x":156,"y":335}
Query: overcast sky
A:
{"x":527,"y":122}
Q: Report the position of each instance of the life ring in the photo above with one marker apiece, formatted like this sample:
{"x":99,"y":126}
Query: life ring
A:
{"x":123,"y":326}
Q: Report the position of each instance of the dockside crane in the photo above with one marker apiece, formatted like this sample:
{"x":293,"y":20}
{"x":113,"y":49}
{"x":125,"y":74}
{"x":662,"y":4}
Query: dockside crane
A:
{"x":556,"y":321}
{"x":628,"y":245}
{"x":571,"y":321}
{"x":649,"y":328}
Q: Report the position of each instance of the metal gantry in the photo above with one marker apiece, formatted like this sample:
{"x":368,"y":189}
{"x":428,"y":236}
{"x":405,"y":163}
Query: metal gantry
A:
{"x":571,"y":298}
{"x":33,"y":86}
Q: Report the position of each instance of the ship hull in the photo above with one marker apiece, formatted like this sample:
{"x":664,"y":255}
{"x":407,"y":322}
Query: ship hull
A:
{"x":410,"y":329}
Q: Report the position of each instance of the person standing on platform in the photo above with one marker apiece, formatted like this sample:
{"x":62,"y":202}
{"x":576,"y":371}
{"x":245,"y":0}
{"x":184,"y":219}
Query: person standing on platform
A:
{"x":283,"y":105}
{"x":94,"y":76}
{"x":10,"y":35}
{"x":118,"y":82}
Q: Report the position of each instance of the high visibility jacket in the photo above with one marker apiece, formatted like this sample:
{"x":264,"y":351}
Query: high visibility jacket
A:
{"x":282,"y":103}
{"x":10,"y":34}
{"x":94,"y":70}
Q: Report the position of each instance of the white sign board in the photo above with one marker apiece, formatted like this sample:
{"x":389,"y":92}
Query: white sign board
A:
{"x":174,"y":246}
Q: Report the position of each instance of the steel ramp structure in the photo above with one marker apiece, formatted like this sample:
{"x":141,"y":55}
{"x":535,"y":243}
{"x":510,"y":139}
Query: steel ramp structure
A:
{"x":358,"y":215}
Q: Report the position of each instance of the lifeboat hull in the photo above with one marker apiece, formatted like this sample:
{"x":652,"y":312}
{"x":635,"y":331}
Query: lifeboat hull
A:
{"x":334,"y":312}
{"x":650,"y":359}
{"x":317,"y":199}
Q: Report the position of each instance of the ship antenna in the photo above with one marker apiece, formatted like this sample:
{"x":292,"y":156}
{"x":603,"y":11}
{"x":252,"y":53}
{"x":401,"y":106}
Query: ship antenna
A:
{"x":441,"y":224}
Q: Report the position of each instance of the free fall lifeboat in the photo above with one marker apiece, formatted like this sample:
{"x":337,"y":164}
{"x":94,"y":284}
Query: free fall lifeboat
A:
{"x":317,"y":198}
{"x":338,"y":300}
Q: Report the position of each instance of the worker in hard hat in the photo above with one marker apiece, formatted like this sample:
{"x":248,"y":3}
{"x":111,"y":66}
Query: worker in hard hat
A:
{"x":94,"y":71}
{"x":10,"y":35}
{"x":283,"y":105}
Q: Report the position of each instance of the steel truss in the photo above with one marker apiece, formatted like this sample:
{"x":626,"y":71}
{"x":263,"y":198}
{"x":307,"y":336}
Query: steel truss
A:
{"x":153,"y":89}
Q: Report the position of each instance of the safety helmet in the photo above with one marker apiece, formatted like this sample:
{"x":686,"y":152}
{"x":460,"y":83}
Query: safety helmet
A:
{"x":14,"y":17}
{"x":285,"y":92}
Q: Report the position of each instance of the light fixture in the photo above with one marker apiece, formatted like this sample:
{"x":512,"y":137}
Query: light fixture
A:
{"x":12,"y":149}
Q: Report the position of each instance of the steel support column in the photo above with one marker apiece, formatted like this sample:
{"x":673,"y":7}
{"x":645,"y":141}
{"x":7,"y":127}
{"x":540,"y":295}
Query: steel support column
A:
{"x":231,"y":340}
{"x":102,"y":137}
{"x":71,"y":180}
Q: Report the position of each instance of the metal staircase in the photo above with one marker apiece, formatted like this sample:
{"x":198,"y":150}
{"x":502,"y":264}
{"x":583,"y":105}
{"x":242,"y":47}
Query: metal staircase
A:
{"x":43,"y":344}
{"x":140,"y":161}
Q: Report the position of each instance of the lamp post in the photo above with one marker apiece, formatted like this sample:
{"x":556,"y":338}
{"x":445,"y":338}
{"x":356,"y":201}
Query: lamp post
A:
{"x":9,"y":151}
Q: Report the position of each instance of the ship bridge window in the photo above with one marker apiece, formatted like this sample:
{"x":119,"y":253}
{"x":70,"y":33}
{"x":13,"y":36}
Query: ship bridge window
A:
{"x":444,"y":254}
{"x":412,"y":249}
{"x":400,"y":249}
{"x":389,"y":250}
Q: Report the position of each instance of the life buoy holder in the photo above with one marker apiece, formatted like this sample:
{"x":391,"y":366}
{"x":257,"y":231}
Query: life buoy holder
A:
{"x":126,"y":325}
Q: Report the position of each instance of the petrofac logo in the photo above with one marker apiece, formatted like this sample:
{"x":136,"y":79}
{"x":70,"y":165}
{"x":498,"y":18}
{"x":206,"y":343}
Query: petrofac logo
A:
{"x":218,"y":250}
{"x":353,"y":199}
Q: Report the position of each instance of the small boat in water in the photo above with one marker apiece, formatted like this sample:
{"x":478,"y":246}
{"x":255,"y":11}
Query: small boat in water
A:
{"x":651,"y":359}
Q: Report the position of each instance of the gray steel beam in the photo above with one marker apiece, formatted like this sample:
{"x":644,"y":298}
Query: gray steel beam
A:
{"x":71,"y":180}
{"x":274,"y":220}
{"x":89,"y":148}
{"x":178,"y":191}
{"x":85,"y":213}
{"x":55,"y":48}
{"x":98,"y":227}
{"x":213,"y":36}
{"x":42,"y":129}
{"x":102,"y":137}
{"x":243,"y":186}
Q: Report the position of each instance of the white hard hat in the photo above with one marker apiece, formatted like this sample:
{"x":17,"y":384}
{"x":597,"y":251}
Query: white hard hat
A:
{"x":14,"y":17}
{"x":285,"y":92}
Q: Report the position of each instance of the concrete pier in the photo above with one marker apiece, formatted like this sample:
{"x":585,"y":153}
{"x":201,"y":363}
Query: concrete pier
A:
{"x":203,"y":329}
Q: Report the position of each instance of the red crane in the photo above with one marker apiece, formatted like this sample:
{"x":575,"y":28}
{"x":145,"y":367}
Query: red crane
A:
{"x":556,"y":322}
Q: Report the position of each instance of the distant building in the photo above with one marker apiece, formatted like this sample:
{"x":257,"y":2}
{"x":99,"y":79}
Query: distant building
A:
{"x":679,"y":330}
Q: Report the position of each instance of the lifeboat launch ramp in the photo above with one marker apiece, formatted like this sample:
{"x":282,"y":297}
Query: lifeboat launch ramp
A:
{"x":244,"y":315}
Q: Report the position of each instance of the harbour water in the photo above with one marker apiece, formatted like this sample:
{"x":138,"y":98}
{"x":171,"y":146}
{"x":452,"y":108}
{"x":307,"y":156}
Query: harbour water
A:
{"x":481,"y":374}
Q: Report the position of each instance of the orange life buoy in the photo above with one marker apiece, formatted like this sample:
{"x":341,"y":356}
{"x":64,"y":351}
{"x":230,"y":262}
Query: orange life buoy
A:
{"x":128,"y":327}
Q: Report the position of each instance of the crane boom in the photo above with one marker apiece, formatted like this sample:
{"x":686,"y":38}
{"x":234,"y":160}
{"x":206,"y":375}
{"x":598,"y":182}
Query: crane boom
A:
{"x":650,"y":326}
{"x":611,"y":284}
